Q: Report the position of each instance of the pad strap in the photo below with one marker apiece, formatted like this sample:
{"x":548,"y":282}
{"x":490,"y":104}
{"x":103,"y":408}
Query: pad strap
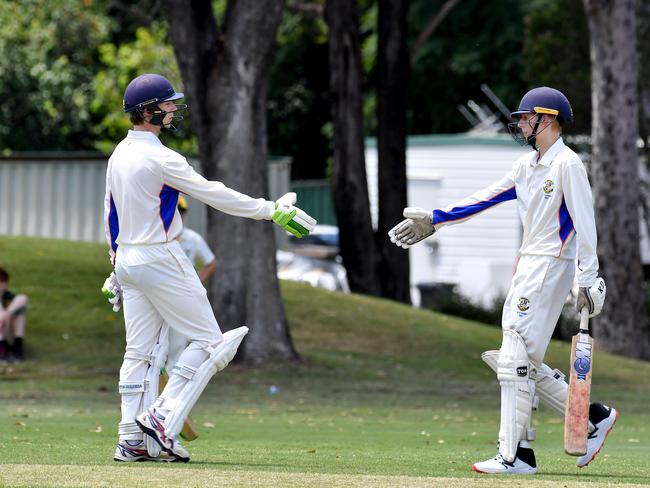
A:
{"x":133,"y":387}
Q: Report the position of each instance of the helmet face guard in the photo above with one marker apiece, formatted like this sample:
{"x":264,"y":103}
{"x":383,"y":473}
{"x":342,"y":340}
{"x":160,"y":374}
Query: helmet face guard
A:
{"x":539,"y":101}
{"x":158,"y":115}
{"x":146,"y":92}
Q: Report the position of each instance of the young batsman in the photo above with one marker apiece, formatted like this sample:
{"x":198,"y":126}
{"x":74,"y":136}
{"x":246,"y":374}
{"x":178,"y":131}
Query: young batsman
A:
{"x":155,"y":281}
{"x":559,"y":242}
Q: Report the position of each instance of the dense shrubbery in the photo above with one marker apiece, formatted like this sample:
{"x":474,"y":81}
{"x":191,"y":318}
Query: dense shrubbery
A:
{"x":445,"y":299}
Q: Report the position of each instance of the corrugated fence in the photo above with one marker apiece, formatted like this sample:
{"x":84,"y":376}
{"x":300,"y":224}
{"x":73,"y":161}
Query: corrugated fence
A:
{"x":62,"y":195}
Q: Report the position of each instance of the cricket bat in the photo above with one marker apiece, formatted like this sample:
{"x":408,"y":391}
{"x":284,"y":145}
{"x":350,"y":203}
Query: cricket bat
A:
{"x":576,"y":416}
{"x":187,"y":433}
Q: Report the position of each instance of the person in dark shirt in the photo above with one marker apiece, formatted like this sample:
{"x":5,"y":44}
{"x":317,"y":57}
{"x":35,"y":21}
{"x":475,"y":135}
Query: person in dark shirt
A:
{"x":13,"y":319}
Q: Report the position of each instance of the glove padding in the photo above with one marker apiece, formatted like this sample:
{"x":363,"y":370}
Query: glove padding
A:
{"x":417,"y":226}
{"x":592,"y":298}
{"x":292,"y":219}
{"x":113,"y":292}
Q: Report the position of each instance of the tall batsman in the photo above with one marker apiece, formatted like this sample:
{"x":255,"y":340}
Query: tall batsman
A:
{"x":559,"y":236}
{"x":155,"y":281}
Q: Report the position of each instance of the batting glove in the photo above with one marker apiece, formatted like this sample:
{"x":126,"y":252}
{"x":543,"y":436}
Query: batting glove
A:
{"x":418,"y":225}
{"x":592,"y":298}
{"x":113,"y":292}
{"x":292,"y":219}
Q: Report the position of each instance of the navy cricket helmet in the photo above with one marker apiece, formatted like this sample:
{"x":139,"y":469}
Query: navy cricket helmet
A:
{"x":539,"y":101}
{"x":545,"y":100}
{"x":148,"y":89}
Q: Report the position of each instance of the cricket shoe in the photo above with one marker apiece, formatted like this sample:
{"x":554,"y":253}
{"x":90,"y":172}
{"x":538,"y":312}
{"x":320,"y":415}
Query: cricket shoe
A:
{"x":130,"y":451}
{"x":152,"y":424}
{"x":524,"y":463}
{"x":603,"y":418}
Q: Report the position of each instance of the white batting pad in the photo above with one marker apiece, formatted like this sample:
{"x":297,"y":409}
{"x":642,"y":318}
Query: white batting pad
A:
{"x":219,"y":358}
{"x":517,"y":391}
{"x":550,"y":386}
{"x":159,"y":358}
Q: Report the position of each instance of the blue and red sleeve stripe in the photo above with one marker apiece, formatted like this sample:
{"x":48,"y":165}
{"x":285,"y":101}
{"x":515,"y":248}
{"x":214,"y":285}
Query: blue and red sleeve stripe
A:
{"x":466,"y":211}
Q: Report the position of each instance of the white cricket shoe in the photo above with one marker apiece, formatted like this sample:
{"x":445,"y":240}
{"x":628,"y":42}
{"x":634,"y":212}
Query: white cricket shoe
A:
{"x":524,"y":463}
{"x":153,"y":425}
{"x":603,"y":418}
{"x":130,"y":451}
{"x":136,"y":451}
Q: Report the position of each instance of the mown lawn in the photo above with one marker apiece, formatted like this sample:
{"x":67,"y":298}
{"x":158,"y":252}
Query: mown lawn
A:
{"x":385,"y":395}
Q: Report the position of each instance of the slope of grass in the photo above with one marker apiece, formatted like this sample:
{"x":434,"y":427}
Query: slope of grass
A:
{"x":383,"y":390}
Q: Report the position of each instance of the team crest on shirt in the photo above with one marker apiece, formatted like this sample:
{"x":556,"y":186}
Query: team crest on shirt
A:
{"x":524,"y":304}
{"x":548,"y":188}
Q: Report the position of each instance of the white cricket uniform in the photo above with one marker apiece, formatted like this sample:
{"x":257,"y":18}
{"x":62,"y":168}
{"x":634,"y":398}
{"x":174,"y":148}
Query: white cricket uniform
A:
{"x":160,"y":285}
{"x":556,"y":209}
{"x":196,"y":249}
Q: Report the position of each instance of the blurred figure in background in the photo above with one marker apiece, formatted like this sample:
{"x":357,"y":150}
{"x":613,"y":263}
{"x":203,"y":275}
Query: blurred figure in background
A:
{"x":198,"y":252}
{"x":13,"y":318}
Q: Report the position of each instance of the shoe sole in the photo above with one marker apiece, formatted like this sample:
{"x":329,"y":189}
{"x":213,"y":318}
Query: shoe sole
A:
{"x":152,"y":433}
{"x":603,"y":443}
{"x":145,"y":459}
{"x":474,"y":468}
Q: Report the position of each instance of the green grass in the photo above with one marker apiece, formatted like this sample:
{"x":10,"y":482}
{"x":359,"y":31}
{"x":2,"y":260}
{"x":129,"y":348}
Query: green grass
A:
{"x":386,"y":395}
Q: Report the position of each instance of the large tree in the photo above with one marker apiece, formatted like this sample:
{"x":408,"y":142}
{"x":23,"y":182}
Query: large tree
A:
{"x":622,"y":327}
{"x":225,"y":68}
{"x":349,"y":185}
{"x":393,"y":68}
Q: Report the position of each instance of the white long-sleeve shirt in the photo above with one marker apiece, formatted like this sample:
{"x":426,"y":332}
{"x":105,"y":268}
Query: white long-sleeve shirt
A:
{"x":143,"y":180}
{"x":555,"y":207}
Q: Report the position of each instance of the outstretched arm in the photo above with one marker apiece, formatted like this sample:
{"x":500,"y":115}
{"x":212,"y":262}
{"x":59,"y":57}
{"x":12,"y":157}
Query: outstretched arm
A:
{"x":499,"y":192}
{"x":420,"y":224}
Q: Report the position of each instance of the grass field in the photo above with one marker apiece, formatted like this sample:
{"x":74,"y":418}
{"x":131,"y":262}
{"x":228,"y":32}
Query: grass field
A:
{"x":385,"y":396}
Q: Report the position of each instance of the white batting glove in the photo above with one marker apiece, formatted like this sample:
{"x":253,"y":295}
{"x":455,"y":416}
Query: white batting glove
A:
{"x":113,"y":292}
{"x":418,"y":225}
{"x":592,"y":298}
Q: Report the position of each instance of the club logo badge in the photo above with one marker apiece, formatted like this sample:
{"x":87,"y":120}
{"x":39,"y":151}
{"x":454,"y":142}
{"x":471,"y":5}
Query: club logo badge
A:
{"x":548,"y":187}
{"x":524,"y":304}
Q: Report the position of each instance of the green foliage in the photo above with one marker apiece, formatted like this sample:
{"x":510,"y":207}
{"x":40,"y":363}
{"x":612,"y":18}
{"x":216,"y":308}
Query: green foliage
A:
{"x":298,"y":106}
{"x":149,"y":52}
{"x":478,"y":42}
{"x":49,"y":53}
{"x":556,"y":53}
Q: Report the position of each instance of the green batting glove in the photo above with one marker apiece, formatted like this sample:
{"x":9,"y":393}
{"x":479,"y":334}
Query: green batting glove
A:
{"x":291,"y":218}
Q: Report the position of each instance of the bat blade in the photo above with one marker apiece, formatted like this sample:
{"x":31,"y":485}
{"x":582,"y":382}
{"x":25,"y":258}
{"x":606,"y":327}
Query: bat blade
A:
{"x":576,"y":418}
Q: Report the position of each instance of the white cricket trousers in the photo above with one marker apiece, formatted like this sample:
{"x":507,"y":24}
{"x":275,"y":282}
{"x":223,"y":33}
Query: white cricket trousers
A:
{"x":160,"y":286}
{"x":538,"y":291}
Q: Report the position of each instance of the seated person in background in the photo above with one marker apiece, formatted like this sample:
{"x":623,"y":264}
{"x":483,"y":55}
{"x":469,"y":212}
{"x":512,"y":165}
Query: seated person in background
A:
{"x":13,"y":317}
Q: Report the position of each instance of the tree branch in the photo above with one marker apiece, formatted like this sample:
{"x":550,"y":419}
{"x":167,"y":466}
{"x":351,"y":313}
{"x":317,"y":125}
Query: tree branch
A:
{"x":431,"y":27}
{"x":306,"y":9}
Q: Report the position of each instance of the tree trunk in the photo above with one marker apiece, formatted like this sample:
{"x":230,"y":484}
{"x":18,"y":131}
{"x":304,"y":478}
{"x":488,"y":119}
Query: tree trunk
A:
{"x":622,"y":327}
{"x":349,"y":185}
{"x":393,"y":75}
{"x":225,"y":74}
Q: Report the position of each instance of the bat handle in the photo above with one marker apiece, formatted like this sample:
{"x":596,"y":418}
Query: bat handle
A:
{"x":584,"y":320}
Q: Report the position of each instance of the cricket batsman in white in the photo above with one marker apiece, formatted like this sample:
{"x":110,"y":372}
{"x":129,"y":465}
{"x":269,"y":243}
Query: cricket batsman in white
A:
{"x":555,"y":205}
{"x":154,"y":280}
